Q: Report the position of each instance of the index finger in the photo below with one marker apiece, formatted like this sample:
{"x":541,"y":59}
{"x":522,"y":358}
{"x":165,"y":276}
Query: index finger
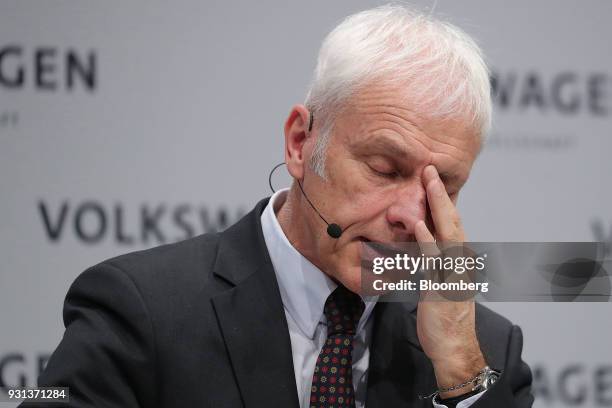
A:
{"x":443,"y":212}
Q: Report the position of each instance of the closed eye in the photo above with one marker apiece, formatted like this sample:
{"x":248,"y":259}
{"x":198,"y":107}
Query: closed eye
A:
{"x":386,"y":174}
{"x":382,"y":166}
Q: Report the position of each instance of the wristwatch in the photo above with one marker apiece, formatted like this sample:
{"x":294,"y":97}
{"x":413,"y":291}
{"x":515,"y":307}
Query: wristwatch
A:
{"x":481,"y":382}
{"x":486,"y":378}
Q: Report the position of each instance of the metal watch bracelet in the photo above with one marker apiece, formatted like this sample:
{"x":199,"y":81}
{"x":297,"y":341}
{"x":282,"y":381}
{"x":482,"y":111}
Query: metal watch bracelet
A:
{"x":482,"y":381}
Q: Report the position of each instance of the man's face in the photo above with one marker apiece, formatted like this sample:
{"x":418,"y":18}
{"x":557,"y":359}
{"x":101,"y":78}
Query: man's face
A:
{"x":374,"y":163}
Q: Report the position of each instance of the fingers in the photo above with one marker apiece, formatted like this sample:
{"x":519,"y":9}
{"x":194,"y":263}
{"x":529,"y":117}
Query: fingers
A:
{"x":443,"y":212}
{"x":427,"y":244}
{"x":422,"y":232}
{"x":425,"y":239}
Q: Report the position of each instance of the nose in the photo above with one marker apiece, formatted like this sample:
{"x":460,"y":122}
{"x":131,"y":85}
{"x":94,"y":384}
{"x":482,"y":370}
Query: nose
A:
{"x":409,"y":205}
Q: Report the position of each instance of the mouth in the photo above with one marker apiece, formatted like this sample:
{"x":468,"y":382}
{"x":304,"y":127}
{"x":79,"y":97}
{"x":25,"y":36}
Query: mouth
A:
{"x":376,"y":248}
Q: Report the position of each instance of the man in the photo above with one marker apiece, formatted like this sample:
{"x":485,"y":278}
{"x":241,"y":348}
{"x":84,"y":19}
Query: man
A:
{"x":268,"y":313}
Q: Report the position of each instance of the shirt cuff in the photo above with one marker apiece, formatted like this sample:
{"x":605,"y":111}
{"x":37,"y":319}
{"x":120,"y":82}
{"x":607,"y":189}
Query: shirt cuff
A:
{"x":461,"y":404}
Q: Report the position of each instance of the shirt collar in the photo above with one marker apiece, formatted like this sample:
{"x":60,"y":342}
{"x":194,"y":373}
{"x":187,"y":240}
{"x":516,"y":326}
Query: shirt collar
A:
{"x":304,"y":288}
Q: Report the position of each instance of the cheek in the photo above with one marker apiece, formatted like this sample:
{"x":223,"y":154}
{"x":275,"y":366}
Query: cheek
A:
{"x":365,"y":202}
{"x":360,"y":196}
{"x":357,"y":196}
{"x":360,"y":208}
{"x":348,"y":256}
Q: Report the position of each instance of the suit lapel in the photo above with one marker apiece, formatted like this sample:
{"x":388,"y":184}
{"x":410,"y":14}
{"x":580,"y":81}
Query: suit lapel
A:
{"x":399,"y":370}
{"x":252,"y":318}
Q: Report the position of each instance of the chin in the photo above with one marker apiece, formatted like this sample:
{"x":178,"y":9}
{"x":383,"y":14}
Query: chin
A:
{"x":346,"y":267}
{"x":351,"y":278}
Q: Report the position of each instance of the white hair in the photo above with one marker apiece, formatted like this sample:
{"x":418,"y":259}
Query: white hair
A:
{"x":435,"y":62}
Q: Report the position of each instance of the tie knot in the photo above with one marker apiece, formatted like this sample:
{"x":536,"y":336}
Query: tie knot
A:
{"x":343,"y":309}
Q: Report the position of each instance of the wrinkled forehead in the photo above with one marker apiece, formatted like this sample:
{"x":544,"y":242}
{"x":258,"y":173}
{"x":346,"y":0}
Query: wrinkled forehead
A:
{"x":392,"y":110}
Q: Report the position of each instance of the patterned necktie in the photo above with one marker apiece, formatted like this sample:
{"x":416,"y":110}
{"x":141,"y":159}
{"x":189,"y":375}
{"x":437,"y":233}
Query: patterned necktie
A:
{"x":332,"y":381}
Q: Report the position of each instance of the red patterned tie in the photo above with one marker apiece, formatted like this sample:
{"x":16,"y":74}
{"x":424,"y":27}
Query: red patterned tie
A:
{"x":332,"y":381}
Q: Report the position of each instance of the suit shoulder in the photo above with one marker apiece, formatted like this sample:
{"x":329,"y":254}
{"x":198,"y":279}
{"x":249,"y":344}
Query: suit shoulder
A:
{"x":188,"y":262}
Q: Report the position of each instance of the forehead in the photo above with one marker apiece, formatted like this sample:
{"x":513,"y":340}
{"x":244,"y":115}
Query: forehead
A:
{"x":384,"y":119}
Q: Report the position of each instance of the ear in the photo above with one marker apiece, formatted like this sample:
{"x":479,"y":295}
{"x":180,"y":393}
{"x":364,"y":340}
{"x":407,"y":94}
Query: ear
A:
{"x":296,"y":134}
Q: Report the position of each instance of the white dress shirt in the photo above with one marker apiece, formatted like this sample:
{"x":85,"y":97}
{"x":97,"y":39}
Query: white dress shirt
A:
{"x":304,"y":289}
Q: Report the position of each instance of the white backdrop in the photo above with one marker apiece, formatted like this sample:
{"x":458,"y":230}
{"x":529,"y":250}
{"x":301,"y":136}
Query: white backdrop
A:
{"x":125,"y":125}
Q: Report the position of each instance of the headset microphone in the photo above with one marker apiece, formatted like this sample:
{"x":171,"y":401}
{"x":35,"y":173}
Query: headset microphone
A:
{"x":333,"y":229}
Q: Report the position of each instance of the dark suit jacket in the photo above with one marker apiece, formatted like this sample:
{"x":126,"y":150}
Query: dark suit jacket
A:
{"x":200,"y":323}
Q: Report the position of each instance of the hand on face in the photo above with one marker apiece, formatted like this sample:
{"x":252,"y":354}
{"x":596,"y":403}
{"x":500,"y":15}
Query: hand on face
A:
{"x":444,"y":215}
{"x":446,"y":328}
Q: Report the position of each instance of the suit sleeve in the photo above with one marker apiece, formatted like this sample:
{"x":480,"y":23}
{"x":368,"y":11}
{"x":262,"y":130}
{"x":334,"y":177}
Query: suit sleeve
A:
{"x":107,"y":354}
{"x":513,"y":389}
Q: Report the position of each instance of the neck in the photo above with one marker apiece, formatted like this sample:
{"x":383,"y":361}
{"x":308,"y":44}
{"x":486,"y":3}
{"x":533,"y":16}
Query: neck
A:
{"x":296,"y":220}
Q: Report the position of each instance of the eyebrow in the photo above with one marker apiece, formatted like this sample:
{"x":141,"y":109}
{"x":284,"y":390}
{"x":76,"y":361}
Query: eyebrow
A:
{"x":388,"y":146}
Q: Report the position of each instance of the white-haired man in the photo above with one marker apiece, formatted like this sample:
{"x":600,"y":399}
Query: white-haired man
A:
{"x":269,"y":312}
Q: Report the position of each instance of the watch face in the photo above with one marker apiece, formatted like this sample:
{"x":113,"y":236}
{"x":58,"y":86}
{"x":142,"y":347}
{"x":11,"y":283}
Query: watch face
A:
{"x":490,"y":379}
